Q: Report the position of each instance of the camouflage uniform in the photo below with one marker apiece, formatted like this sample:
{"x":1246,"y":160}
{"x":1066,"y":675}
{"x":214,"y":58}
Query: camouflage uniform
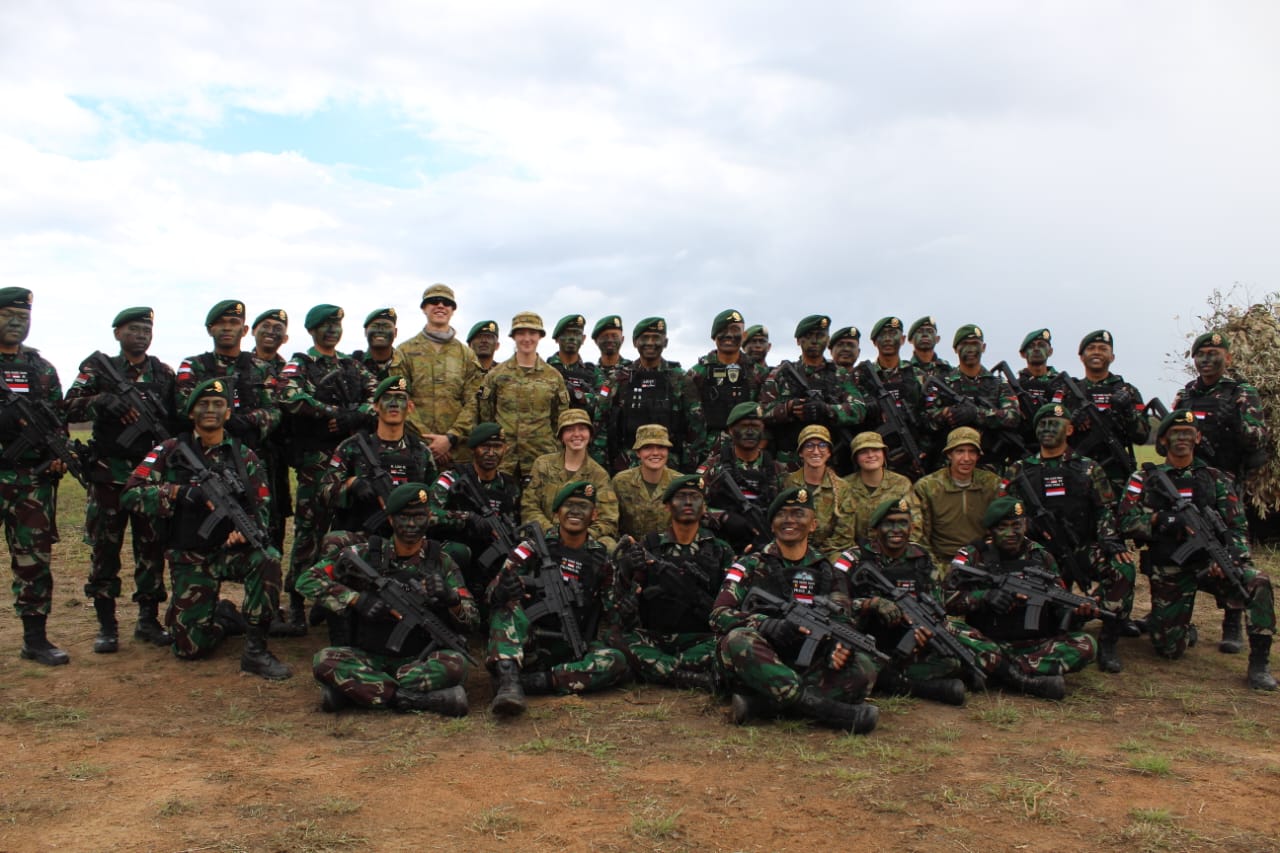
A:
{"x":637,"y":396}
{"x":379,"y":369}
{"x":450,"y":508}
{"x":1232,"y":430}
{"x":548,"y":476}
{"x":446,"y":380}
{"x":1128,"y":422}
{"x":938,"y":367}
{"x":406,"y":460}
{"x":526,"y":402}
{"x":834,"y":507}
{"x":582,"y":379}
{"x":720,"y":387}
{"x":253,"y":408}
{"x":839,"y":392}
{"x":640,"y":508}
{"x":998,"y":415}
{"x":951,"y":516}
{"x":274,"y":455}
{"x":906,"y":385}
{"x":758,"y":480}
{"x":1038,"y":390}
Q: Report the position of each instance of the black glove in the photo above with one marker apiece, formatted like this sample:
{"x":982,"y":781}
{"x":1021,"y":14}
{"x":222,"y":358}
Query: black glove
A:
{"x":192,"y":495}
{"x":476,"y":526}
{"x":434,"y":586}
{"x":372,"y":608}
{"x":1000,"y":600}
{"x":963,"y":413}
{"x":349,"y":420}
{"x":628,"y":608}
{"x":111,"y":405}
{"x":362,"y":491}
{"x":779,"y":632}
{"x":508,"y":588}
{"x":736,"y":528}
{"x":816,"y":410}
{"x":1165,"y":522}
{"x":1122,"y":399}
{"x":10,"y":420}
{"x":241,"y":427}
{"x":628,"y":557}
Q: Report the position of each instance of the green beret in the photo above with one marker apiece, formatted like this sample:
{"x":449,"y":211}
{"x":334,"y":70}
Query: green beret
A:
{"x":886,"y":507}
{"x":968,"y":330}
{"x":755,"y":331}
{"x":225,"y":308}
{"x":320,"y":314}
{"x":391,"y":383}
{"x":1182,"y":417}
{"x":1099,"y":336}
{"x":1037,"y":335}
{"x":1002,"y":508}
{"x":271,"y":314}
{"x":128,"y":315}
{"x":215,"y":386}
{"x":15,"y":297}
{"x":407,"y":495}
{"x":688,"y":481}
{"x":846,"y":332}
{"x":742,"y":411}
{"x":568,"y":321}
{"x":380,"y":314}
{"x":1050,"y":410}
{"x":812,"y":323}
{"x":487,"y":431}
{"x":649,"y":324}
{"x":1210,"y":339}
{"x":724,"y":318}
{"x":604,"y":324}
{"x":883,"y":323}
{"x":484,"y":327}
{"x":576,"y":489}
{"x":923,"y":321}
{"x":801,"y":496}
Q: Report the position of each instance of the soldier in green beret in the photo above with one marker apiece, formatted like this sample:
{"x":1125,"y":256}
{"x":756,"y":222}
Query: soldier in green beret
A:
{"x":1041,"y":382}
{"x":608,"y":337}
{"x":380,"y":333}
{"x":581,"y":377}
{"x":970,"y":395}
{"x":923,"y":336}
{"x":122,"y":435}
{"x":755,"y":343}
{"x":724,"y":378}
{"x":1115,"y":401}
{"x":271,"y":332}
{"x":888,"y":380}
{"x":483,"y":340}
{"x":1233,"y":432}
{"x":571,"y":463}
{"x":738,"y":507}
{"x":846,"y":346}
{"x":639,"y":489}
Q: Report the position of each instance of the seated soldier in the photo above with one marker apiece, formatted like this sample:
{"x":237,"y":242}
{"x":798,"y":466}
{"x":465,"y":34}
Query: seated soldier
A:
{"x":553,"y":470}
{"x":755,"y":477}
{"x":953,"y":499}
{"x":640,"y":489}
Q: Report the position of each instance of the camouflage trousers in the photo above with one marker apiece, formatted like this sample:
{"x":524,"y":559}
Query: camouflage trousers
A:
{"x":104,"y":525}
{"x":310,"y":515}
{"x":655,"y":656}
{"x":197,"y":579}
{"x":510,"y":638}
{"x":27,"y":506}
{"x":1173,"y":598}
{"x":1059,"y":654}
{"x":750,"y":661}
{"x":1112,"y":580}
{"x":372,"y":679}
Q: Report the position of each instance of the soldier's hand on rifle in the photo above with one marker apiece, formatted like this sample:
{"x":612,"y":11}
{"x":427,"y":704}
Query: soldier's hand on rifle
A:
{"x":1122,"y":399}
{"x":839,"y":657}
{"x":57,"y":466}
{"x":433,"y":584}
{"x":629,"y":556}
{"x":192,"y":495}
{"x":1215,"y":571}
{"x":962,"y":414}
{"x":476,"y":528}
{"x":112,"y":405}
{"x":235,"y":537}
{"x":780,"y":632}
{"x":885,"y":610}
{"x":795,"y":409}
{"x":922,"y":636}
{"x":240,"y":426}
{"x":508,"y":588}
{"x":1080,"y":420}
{"x":628,"y":606}
{"x":371,"y":607}
{"x":361,"y":491}
{"x":1088,"y":609}
{"x":816,"y":410}
{"x":1169,"y":524}
{"x":1000,"y":600}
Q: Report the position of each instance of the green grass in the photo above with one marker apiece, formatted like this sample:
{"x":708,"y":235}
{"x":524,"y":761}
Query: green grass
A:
{"x":496,"y":821}
{"x":42,"y":714}
{"x":1151,"y":765}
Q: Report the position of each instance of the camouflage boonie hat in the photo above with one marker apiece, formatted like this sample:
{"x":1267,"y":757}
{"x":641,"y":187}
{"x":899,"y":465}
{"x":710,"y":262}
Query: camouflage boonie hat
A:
{"x":893,"y":505}
{"x":216,"y":386}
{"x":817,"y":431}
{"x":322,"y":314}
{"x":527,"y":320}
{"x":576,"y":489}
{"x":488,"y":431}
{"x":569,"y":417}
{"x":688,"y":481}
{"x":380,"y":314}
{"x":1037,"y":335}
{"x":1002,"y":508}
{"x":1182,"y":417}
{"x":801,"y":496}
{"x":742,"y":411}
{"x":225,"y":308}
{"x":962,"y":435}
{"x":846,"y":332}
{"x":1050,"y":410}
{"x":568,"y":322}
{"x":867,"y":441}
{"x":891,"y":323}
{"x":484,"y":327}
{"x":277,"y":314}
{"x":129,"y":315}
{"x":391,"y":383}
{"x":15,"y":297}
{"x":756,"y":331}
{"x":723,"y":319}
{"x":604,"y":324}
{"x":968,"y":330}
{"x":649,"y":324}
{"x":1210,"y":339}
{"x":812,"y":323}
{"x":1098,"y":336}
{"x":651,"y":434}
{"x":407,"y":495}
{"x":923,"y":321}
{"x":442,"y":291}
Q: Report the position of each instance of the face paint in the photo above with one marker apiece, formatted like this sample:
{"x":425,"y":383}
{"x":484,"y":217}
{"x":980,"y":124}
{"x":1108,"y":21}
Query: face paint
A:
{"x":484,"y":345}
{"x":888,"y":342}
{"x":1009,"y":534}
{"x":411,"y":525}
{"x":686,"y":505}
{"x":134,"y":337}
{"x":747,"y":433}
{"x":609,"y":342}
{"x":488,"y":456}
{"x":380,"y":333}
{"x":1211,"y":363}
{"x":269,"y":335}
{"x":895,"y":531}
{"x":570,"y":341}
{"x":925,"y":338}
{"x":1052,"y":432}
{"x":969,"y":352}
{"x":757,"y":347}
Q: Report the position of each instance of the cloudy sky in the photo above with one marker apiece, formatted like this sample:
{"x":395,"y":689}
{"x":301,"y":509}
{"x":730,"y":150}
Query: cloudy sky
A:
{"x":1073,"y":165}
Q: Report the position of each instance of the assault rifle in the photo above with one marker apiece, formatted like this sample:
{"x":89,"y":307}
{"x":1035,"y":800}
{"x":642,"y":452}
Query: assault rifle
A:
{"x":1101,"y":432}
{"x":1005,"y":439}
{"x":1059,"y":536}
{"x":899,"y":422}
{"x":378,"y":476}
{"x":558,"y":598}
{"x":1025,"y":404}
{"x":411,"y":606}
{"x":151,"y":417}
{"x":220,"y":489}
{"x":42,"y":430}
{"x":743,"y":505}
{"x":1155,"y":411}
{"x":1040,"y":588}
{"x":501,"y":531}
{"x":815,"y":618}
{"x":815,"y":395}
{"x":688,"y":583}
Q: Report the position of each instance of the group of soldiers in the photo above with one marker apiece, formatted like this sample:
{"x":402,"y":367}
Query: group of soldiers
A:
{"x":792,"y":536}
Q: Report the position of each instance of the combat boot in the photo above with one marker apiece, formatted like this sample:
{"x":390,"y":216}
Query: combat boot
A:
{"x":537,"y":683}
{"x":258,"y":660}
{"x":332,"y":700}
{"x":108,"y":639}
{"x":449,"y":702}
{"x":858,"y":719}
{"x":744,"y":707}
{"x":688,"y":679}
{"x":508,"y":695}
{"x":1108,"y":659}
{"x":149,"y":629}
{"x":298,"y":614}
{"x":36,"y":645}
{"x":230,"y":619}
{"x":1232,"y":632}
{"x":1260,"y":677}
{"x":949,"y":691}
{"x":1044,"y":686}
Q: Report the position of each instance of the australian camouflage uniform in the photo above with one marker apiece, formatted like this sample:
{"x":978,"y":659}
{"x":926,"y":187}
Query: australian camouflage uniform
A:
{"x":866,"y":500}
{"x":452,"y":519}
{"x":950,"y":514}
{"x":351,"y":505}
{"x":992,"y":408}
{"x":639,"y":396}
{"x":834,"y":403}
{"x":526,"y":402}
{"x":720,"y":387}
{"x":446,"y":379}
{"x":549,"y":476}
{"x":640,"y":506}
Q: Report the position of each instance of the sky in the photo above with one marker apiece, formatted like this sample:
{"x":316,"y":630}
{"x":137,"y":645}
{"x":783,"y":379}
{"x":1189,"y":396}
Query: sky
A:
{"x":1075,"y":165}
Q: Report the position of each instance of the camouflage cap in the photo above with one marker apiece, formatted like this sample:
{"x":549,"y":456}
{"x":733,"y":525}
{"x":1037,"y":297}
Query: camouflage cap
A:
{"x":277,"y":314}
{"x":918,"y":324}
{"x":961,"y":436}
{"x":576,"y":489}
{"x":1050,"y":410}
{"x":322,"y":314}
{"x":225,"y":308}
{"x":756,"y":331}
{"x":688,"y":481}
{"x":441,"y":291}
{"x":649,"y":324}
{"x":846,"y":332}
{"x":484,"y":327}
{"x":130,"y":315}
{"x":569,"y":321}
{"x":801,"y":496}
{"x":407,"y":496}
{"x":893,"y":324}
{"x":15,"y":297}
{"x":1002,"y":508}
{"x":380,"y":314}
{"x":215,"y":386}
{"x":812,"y":323}
{"x":527,"y":320}
{"x":742,"y":411}
{"x":1098,"y":336}
{"x":817,"y":431}
{"x":1182,"y":417}
{"x":725,"y":318}
{"x":1210,"y":339}
{"x":897,"y":506}
{"x":569,"y":417}
{"x":604,"y":324}
{"x":487,"y":431}
{"x":391,"y":383}
{"x":968,"y":330}
{"x":651,"y":434}
{"x":868,"y":440}
{"x":1037,"y":335}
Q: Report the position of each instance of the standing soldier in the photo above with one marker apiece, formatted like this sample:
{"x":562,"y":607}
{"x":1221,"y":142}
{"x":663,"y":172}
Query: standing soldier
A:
{"x":608,"y":337}
{"x":887,"y":380}
{"x":640,"y":489}
{"x":846,"y":346}
{"x":953,"y":499}
{"x":328,"y":397}
{"x":755,"y":343}
{"x":970,"y":395}
{"x":1038,"y":379}
{"x":552,"y":471}
{"x":122,"y":435}
{"x":483,"y":340}
{"x":740,"y":506}
{"x":169,"y":483}
{"x":28,"y":477}
{"x":270,"y":332}
{"x":582,"y":378}
{"x":724,"y":378}
{"x":923,"y":336}
{"x":1109,"y":406}
{"x":380,"y":333}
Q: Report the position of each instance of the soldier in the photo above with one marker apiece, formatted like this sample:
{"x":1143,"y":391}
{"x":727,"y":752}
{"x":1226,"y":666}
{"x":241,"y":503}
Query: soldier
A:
{"x":1071,"y":513}
{"x":582,"y":378}
{"x":608,"y":337}
{"x":121,"y":437}
{"x":1148,"y":514}
{"x":329,"y":396}
{"x":923,"y":335}
{"x":873,"y":484}
{"x":971,"y":396}
{"x":755,"y":343}
{"x":755,"y":474}
{"x":483,"y":340}
{"x":809,"y":391}
{"x":551,"y":472}
{"x":954,"y":499}
{"x":640,"y":489}
{"x":270,"y":332}
{"x":846,"y":346}
{"x":888,"y":377}
{"x":1229,"y":412}
{"x":521,"y":656}
{"x":1043,"y":653}
{"x":525,"y":396}
{"x":445,"y":377}
{"x":758,"y":651}
{"x":380,"y":333}
{"x":651,"y":390}
{"x":666,"y":585}
{"x":368,"y":673}
{"x":724,"y":377}
{"x":28,"y":479}
{"x":167,"y":484}
{"x":1111,"y":399}
{"x":1039,"y":380}
{"x":832,"y":499}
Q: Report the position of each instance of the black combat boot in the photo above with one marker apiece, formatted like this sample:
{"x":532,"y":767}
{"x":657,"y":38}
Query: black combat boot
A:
{"x":949,"y":691}
{"x":1108,"y":659}
{"x":449,"y":702}
{"x":859,"y":719}
{"x":1043,"y":686}
{"x":1232,"y":632}
{"x":537,"y":683}
{"x":149,"y":629}
{"x":508,"y":695}
{"x":36,"y":646}
{"x":258,"y":660}
{"x":1260,"y":677}
{"x":230,"y":619}
{"x":108,"y":639}
{"x":332,"y":700}
{"x":298,"y":614}
{"x":745,"y":707}
{"x":688,"y":679}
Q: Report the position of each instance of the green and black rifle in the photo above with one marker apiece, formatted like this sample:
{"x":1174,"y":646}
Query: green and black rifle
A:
{"x":501,"y":530}
{"x":222,"y":489}
{"x":1101,"y":442}
{"x":410,"y":605}
{"x":1052,"y":530}
{"x":1040,"y":588}
{"x":41,"y":432}
{"x":378,"y":477}
{"x":820,"y":620}
{"x":688,"y":583}
{"x":151,"y":416}
{"x":744,"y":506}
{"x":898,"y":424}
{"x":557,"y":597}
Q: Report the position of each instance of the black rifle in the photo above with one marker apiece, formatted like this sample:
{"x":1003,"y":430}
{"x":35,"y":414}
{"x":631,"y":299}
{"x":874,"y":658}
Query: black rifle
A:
{"x":817,"y":619}
{"x":1101,"y":432}
{"x":1004,"y":438}
{"x":1058,"y":536}
{"x":410,"y":605}
{"x":220,"y":489}
{"x":558,"y":598}
{"x":378,"y":476}
{"x":1155,"y":410}
{"x":899,"y":422}
{"x":42,"y":431}
{"x":743,"y":505}
{"x":1040,"y":588}
{"x":151,"y":417}
{"x":811,"y":394}
{"x":688,"y":583}
{"x":1205,"y":529}
{"x":502,"y":534}
{"x":921,"y":611}
{"x":1025,"y":404}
